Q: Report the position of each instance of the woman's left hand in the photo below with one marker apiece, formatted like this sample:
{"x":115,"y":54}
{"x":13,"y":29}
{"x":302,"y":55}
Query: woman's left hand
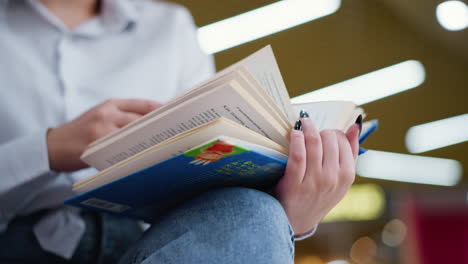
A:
{"x":320,"y":170}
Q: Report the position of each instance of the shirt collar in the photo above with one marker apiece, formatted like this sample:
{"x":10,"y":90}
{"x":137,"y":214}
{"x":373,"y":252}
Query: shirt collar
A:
{"x":116,"y":16}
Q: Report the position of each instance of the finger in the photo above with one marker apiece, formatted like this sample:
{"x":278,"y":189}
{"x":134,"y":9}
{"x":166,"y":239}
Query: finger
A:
{"x":353,"y":137}
{"x":296,"y":166}
{"x":138,"y":106}
{"x":103,"y":129}
{"x":313,"y":145}
{"x":330,"y":149}
{"x":346,"y":154}
{"x":125,"y":118}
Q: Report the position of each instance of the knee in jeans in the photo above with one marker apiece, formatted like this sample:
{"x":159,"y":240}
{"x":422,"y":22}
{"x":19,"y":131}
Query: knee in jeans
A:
{"x":253,"y":206}
{"x":230,"y":225}
{"x":252,"y":201}
{"x":257,"y":220}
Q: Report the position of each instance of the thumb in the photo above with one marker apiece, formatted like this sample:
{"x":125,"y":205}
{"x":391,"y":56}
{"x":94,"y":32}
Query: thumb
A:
{"x":352,"y":134}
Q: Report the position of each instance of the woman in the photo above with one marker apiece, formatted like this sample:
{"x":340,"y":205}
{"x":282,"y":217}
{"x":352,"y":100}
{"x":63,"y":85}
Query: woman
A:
{"x":60,"y":58}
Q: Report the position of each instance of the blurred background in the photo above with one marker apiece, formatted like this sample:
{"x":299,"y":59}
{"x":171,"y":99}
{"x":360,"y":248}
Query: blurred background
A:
{"x":406,"y":63}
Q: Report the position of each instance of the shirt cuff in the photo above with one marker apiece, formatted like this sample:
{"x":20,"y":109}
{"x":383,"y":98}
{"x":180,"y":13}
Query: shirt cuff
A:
{"x":23,"y":159}
{"x":306,"y":235}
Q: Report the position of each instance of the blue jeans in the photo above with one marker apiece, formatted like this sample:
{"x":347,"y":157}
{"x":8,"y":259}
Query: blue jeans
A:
{"x":231,"y":225}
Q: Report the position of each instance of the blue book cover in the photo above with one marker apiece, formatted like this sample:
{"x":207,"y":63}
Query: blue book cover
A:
{"x":150,"y":192}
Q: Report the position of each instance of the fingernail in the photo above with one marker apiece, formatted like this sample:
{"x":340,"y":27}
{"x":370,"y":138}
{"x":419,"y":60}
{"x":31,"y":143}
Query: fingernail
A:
{"x":303,"y":114}
{"x":359,"y":122}
{"x":298,"y":125}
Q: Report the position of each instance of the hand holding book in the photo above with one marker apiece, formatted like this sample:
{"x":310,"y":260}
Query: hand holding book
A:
{"x":235,"y":129}
{"x":67,"y":142}
{"x":318,"y":174}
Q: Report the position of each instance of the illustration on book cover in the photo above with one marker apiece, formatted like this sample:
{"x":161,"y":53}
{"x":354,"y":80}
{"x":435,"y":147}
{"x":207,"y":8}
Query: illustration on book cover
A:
{"x":213,"y":152}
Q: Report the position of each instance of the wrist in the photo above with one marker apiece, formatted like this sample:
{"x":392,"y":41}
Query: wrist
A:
{"x":304,"y":224}
{"x":64,"y":150}
{"x":52,"y":149}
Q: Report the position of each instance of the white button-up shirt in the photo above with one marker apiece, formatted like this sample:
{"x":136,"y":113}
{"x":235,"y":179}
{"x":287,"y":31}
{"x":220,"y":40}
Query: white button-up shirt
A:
{"x":50,"y":75}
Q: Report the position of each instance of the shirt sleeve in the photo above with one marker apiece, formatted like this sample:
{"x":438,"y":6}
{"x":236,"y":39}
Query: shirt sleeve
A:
{"x":196,"y":65}
{"x":22,"y":160}
{"x":306,"y":235}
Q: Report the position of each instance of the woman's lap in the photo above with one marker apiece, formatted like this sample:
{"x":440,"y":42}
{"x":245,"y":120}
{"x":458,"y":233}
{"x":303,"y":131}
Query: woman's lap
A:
{"x":232,"y":225}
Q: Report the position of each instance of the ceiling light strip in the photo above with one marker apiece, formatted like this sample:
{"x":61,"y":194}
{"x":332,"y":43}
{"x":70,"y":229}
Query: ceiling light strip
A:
{"x":409,"y":168}
{"x":262,"y":22}
{"x":437,"y":134}
{"x":371,"y":86}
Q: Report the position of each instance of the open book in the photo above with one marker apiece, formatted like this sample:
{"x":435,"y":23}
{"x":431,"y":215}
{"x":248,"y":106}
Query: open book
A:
{"x":231,"y":130}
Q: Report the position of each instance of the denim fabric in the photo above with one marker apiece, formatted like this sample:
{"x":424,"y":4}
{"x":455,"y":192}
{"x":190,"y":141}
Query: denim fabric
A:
{"x":105,"y":240}
{"x":232,"y":225}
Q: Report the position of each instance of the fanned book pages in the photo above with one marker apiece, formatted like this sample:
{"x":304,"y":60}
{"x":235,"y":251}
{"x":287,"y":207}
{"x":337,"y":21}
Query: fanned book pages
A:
{"x":231,"y":130}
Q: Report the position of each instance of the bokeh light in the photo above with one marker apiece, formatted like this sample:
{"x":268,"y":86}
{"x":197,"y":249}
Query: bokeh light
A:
{"x":364,"y":250}
{"x":394,"y":233}
{"x":452,"y":15}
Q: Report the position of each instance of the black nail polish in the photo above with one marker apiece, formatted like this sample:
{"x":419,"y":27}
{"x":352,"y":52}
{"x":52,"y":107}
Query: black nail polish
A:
{"x":303,"y":114}
{"x":359,"y":122}
{"x":298,"y":125}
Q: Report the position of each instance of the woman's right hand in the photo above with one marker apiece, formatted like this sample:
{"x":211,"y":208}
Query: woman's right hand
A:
{"x":67,"y":142}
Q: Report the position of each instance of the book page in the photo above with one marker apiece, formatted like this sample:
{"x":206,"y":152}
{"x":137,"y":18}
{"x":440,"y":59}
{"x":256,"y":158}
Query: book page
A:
{"x":255,"y":147}
{"x":212,"y":83}
{"x":241,"y":75}
{"x":188,"y":115}
{"x":178,"y":145}
{"x":261,"y":64}
{"x":328,"y":114}
{"x":247,"y":81}
{"x":263,"y":98}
